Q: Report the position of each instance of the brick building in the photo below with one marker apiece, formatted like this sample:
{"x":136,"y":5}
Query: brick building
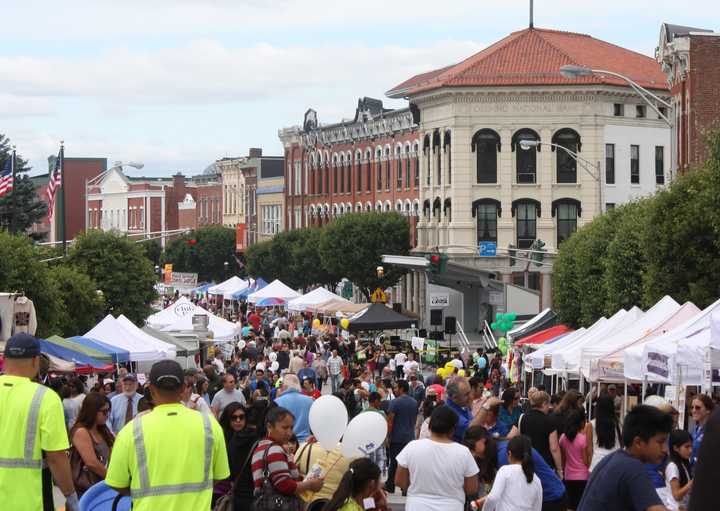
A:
{"x":368,"y":163}
{"x":690,"y":57}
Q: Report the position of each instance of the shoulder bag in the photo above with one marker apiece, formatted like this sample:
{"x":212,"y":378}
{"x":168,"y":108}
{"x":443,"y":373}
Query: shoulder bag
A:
{"x":225,"y":503}
{"x":83,"y":478}
{"x":268,"y":498}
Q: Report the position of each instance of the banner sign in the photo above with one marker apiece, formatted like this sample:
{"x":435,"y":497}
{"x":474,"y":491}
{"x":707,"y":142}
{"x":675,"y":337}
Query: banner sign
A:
{"x":180,"y":279}
{"x":240,"y":238}
{"x":439,"y":300}
{"x":658,"y":364}
{"x":167,"y":271}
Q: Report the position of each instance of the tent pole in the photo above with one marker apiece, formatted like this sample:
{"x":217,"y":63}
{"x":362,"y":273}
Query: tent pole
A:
{"x":644,"y":387}
{"x":624,"y":402}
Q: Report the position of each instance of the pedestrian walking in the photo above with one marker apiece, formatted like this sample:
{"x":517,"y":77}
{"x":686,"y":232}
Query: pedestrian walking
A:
{"x":124,"y":406}
{"x":603,"y":432}
{"x":32,"y":427}
{"x":576,"y":455}
{"x":335,"y":367}
{"x":678,"y":472}
{"x":169,"y":457}
{"x":92,"y":442}
{"x":359,"y":483}
{"x":402,"y":414}
{"x":228,"y":394}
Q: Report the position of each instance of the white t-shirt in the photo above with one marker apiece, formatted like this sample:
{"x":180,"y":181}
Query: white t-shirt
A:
{"x":409,"y":367}
{"x":197,"y":403}
{"x":437,"y":474}
{"x":672,"y":471}
{"x":400,"y":359}
{"x":511,"y":491}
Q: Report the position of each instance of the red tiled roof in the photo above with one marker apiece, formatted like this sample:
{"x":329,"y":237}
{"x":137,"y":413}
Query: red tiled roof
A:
{"x":533,"y":57}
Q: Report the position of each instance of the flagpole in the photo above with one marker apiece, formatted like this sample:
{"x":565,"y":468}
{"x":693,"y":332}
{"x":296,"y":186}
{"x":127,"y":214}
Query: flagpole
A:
{"x":13,"y":202}
{"x":62,"y":196}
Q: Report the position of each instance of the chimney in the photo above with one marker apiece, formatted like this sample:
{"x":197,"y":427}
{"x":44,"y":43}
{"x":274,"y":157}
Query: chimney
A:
{"x":255,"y":152}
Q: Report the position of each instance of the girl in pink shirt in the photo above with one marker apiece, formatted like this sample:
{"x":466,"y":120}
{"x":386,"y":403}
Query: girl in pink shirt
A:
{"x":576,"y":455}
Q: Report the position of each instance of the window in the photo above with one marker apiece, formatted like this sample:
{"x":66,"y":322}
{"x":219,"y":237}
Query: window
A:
{"x":526,"y":213}
{"x":447,"y":150}
{"x":659,"y":165}
{"x":487,"y":215}
{"x":407,"y":170}
{"x":438,"y":158}
{"x":388,"y":170}
{"x":526,"y":157}
{"x":399,"y":171}
{"x":379,"y":170}
{"x":270,"y":219}
{"x":358,"y":172}
{"x":486,"y":144}
{"x":663,"y":112}
{"x":298,"y":178}
{"x":567,"y":214}
{"x":533,"y":280}
{"x":619,"y":110}
{"x":640,"y":111}
{"x":426,"y":154}
{"x":326,"y":188}
{"x":610,"y":164}
{"x":368,"y":169}
{"x":566,"y":171}
{"x":336,"y":178}
{"x":416,"y":163}
{"x":609,"y":206}
{"x":635,"y":164}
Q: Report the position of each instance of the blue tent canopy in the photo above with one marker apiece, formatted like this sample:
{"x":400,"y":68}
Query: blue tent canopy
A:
{"x":257,"y":286}
{"x":68,"y":354}
{"x":203,"y":288}
{"x":118,"y":355}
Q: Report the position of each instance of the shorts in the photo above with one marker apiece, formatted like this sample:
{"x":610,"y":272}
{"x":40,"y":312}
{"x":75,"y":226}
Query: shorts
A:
{"x":574,"y":491}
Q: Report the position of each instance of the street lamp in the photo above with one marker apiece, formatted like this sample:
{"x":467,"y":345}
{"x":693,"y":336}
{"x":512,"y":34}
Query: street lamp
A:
{"x":226,"y":265}
{"x":526,"y":145}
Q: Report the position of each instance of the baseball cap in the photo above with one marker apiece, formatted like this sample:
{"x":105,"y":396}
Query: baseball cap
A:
{"x":167,"y":375}
{"x":129,"y":377}
{"x":22,"y":345}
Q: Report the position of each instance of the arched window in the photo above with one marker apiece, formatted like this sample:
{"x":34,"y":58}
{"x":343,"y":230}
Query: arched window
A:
{"x":398,"y":168}
{"x":448,"y":155}
{"x":436,"y":208}
{"x":486,"y":211}
{"x":486,"y":144}
{"x":426,"y":208}
{"x":438,"y":157}
{"x":368,"y":171}
{"x":341,"y":173}
{"x":526,"y":157}
{"x":336,"y":177}
{"x":416,"y":163}
{"x":358,"y":171}
{"x":428,"y":159}
{"x":566,"y":166}
{"x":388,"y":169}
{"x":379,"y":168}
{"x":326,"y":188}
{"x":567,"y":212}
{"x":526,"y":213}
{"x":407,"y":166}
{"x":447,"y":209}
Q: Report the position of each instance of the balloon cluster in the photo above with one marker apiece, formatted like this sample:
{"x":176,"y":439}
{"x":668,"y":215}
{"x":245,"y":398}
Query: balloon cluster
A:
{"x":449,"y":370}
{"x":503,"y":322}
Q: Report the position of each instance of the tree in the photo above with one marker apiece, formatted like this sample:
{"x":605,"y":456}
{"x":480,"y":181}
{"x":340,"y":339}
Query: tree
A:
{"x":204,"y":251}
{"x":120,"y":269}
{"x":352,"y":246}
{"x":260,"y":262}
{"x":81,"y":306}
{"x":153,"y":251}
{"x":565,"y":282}
{"x":20,"y":208}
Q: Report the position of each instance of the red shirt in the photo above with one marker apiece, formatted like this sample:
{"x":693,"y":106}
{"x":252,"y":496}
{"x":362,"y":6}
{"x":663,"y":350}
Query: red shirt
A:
{"x":314,"y":394}
{"x":255,"y":321}
{"x":283,"y":472}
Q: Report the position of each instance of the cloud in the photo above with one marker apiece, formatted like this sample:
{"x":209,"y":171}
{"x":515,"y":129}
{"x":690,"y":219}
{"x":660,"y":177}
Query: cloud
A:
{"x":20,"y":106}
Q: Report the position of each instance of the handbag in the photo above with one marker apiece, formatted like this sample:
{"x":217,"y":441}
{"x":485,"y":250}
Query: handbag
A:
{"x":225,"y":503}
{"x":267,"y":498}
{"x":83,"y":478}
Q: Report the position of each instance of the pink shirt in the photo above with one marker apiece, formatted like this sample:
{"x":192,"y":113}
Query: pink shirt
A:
{"x":575,"y":469}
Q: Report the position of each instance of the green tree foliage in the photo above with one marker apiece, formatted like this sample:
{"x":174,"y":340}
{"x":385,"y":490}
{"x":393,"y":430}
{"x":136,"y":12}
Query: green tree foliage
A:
{"x":20,"y":208}
{"x":260,"y":261}
{"x":153,"y":251}
{"x":352,"y":246}
{"x":565,"y":282}
{"x":81,"y":306}
{"x":213,"y":247}
{"x":120,"y":269}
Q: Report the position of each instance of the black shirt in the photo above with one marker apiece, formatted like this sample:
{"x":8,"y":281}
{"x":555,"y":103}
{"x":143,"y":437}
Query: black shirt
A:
{"x":538,"y":426}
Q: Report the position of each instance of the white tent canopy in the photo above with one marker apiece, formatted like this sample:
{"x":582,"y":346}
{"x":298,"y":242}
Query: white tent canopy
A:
{"x":228,"y":293}
{"x":275,"y":289}
{"x":110,"y":331}
{"x":233,"y":282}
{"x":658,"y":314}
{"x":314,"y":297}
{"x":536,"y":359}
{"x":178,"y":318}
{"x":169,"y":349}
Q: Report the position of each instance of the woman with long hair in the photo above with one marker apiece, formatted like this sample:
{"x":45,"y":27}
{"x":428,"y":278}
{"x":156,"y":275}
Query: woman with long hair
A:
{"x":510,"y":410}
{"x":603,"y":432}
{"x":678,"y":474}
{"x":516,"y":487}
{"x":576,"y":455}
{"x":92,"y":442}
{"x":572,"y":400}
{"x":361,"y":481}
{"x":232,"y":420}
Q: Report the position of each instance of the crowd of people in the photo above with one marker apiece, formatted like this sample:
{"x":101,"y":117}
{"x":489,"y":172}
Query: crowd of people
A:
{"x":469,"y":440}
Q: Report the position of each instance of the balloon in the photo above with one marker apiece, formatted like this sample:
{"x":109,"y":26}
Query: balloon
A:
{"x":449,"y":365}
{"x":494,"y":325}
{"x":274,"y":366}
{"x":316,"y":323}
{"x":498,"y":316}
{"x":241,"y":344}
{"x":655,"y":401}
{"x":364,"y":435}
{"x":440,"y":372}
{"x":512,"y":316}
{"x":502,"y":346}
{"x":503,"y":340}
{"x":345,"y":323}
{"x":461,"y":372}
{"x":272,"y":356}
{"x":328,"y":420}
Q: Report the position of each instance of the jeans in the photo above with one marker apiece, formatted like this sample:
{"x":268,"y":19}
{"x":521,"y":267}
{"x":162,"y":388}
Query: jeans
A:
{"x":393,"y":451}
{"x":335,"y":380}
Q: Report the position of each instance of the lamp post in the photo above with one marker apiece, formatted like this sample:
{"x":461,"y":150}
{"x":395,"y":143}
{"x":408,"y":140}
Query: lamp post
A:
{"x":226,"y":265}
{"x":526,"y":145}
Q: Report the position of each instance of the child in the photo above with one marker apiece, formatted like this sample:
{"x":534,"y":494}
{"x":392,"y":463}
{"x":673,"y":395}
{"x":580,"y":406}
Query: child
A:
{"x":576,"y":455}
{"x":677,"y":472}
{"x":292,"y":446}
{"x":361,"y":481}
{"x":516,"y":486}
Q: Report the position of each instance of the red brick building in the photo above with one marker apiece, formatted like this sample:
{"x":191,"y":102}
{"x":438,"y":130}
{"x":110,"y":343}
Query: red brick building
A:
{"x":369,"y":163}
{"x":690,"y":58}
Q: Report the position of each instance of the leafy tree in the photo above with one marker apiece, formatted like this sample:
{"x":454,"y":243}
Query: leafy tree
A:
{"x":120,"y":269}
{"x":153,"y":251}
{"x":308,"y":263}
{"x":20,"y":270}
{"x":212,"y":248}
{"x":20,"y":208}
{"x":566,"y":291}
{"x":260,"y":262}
{"x":81,"y":306}
{"x":352,"y":246}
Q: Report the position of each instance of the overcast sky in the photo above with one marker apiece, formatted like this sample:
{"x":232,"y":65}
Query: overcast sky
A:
{"x":177,"y":84}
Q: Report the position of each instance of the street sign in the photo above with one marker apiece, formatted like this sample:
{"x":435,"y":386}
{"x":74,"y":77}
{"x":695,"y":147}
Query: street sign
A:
{"x":378,"y":296}
{"x":487,"y":249}
{"x":439,"y":300}
{"x":184,"y":280}
{"x":496,"y":298}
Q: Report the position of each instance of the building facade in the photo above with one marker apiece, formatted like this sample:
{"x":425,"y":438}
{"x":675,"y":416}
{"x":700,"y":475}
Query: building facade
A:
{"x":270,"y":195}
{"x":690,"y":58}
{"x":511,"y":152}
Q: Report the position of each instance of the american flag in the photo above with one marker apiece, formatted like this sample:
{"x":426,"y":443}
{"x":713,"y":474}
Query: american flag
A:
{"x":54,"y":183}
{"x":6,"y":176}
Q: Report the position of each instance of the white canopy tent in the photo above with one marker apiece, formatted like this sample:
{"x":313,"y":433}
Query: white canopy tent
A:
{"x":275,"y":289}
{"x":314,"y":297}
{"x":110,"y":331}
{"x":169,"y":349}
{"x":228,"y":293}
{"x":536,"y":359}
{"x":639,"y":364}
{"x":178,"y":318}
{"x":658,"y":314}
{"x":233,"y":282}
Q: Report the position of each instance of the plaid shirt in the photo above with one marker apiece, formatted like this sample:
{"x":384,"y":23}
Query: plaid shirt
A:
{"x":335,"y":365}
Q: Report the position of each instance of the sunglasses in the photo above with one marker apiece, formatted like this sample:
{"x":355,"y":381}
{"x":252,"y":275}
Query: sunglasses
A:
{"x":236,"y":418}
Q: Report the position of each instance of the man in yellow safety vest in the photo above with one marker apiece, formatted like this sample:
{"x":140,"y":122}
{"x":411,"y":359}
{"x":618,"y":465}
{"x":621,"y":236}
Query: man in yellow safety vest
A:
{"x":32,"y":423}
{"x":168,"y":458}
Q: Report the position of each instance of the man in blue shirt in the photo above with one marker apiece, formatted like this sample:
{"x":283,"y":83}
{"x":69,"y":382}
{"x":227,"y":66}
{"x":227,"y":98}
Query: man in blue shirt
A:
{"x":307,"y":373}
{"x":299,"y":405}
{"x":123,"y":407}
{"x":620,"y":481}
{"x":458,"y":394}
{"x":402,"y":415}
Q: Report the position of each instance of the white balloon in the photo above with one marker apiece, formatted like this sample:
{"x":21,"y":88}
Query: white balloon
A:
{"x":274,"y":367}
{"x":365,"y":434}
{"x":272,"y":356}
{"x":328,"y":420}
{"x":241,"y":344}
{"x":655,"y":401}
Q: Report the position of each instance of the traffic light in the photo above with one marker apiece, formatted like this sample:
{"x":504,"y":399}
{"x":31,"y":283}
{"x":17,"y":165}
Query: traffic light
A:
{"x":512,"y":253}
{"x":538,"y":256}
{"x":438,"y":263}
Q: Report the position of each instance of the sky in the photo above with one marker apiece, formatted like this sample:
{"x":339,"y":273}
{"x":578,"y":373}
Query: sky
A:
{"x":178,"y":84}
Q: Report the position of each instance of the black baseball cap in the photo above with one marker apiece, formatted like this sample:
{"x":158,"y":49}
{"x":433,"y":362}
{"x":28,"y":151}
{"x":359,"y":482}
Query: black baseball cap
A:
{"x":22,"y":345}
{"x":167,"y":375}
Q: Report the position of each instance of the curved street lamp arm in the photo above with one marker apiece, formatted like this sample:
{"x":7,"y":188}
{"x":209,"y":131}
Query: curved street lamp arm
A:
{"x":642,"y":92}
